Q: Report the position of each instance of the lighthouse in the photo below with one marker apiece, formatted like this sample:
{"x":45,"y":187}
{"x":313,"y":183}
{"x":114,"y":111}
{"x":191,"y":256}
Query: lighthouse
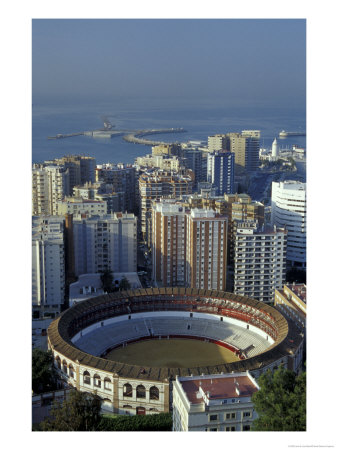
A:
{"x":274,"y":151}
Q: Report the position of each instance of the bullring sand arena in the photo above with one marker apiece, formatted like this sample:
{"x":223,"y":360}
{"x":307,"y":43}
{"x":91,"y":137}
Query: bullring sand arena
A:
{"x":172,"y":353}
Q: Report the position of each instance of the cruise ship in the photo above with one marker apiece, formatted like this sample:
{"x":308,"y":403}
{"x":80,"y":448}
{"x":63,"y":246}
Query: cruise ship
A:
{"x":284,"y":133}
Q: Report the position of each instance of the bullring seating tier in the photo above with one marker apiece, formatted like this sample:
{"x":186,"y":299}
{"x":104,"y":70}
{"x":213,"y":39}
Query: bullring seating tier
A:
{"x":106,"y":337}
{"x":70,"y":323}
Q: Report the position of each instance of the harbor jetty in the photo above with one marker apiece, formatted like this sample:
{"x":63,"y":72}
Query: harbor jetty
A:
{"x":62,"y":136}
{"x":136,"y":137}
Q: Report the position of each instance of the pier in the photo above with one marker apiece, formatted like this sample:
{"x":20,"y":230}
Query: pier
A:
{"x":136,"y":137}
{"x":62,"y":136}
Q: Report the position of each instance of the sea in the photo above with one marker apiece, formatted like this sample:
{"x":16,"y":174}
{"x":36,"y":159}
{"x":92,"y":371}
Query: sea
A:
{"x":198,"y":121}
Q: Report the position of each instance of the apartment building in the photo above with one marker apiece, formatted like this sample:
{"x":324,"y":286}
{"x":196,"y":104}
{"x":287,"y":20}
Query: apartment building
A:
{"x":167,"y":149}
{"x":288,"y":209}
{"x":79,"y":205}
{"x":169,"y":224}
{"x":245,"y":146}
{"x":217,"y":142}
{"x":81,"y":168}
{"x":107,"y":242}
{"x":188,"y":246}
{"x":154,"y":185}
{"x":259,"y":261}
{"x":206,"y":249}
{"x":244,"y":209}
{"x":193,"y":159}
{"x":101,"y":191}
{"x":163,"y":162}
{"x":49,"y":186}
{"x":48,"y":265}
{"x":221,"y":171}
{"x":214,"y":402}
{"x":123,"y":179}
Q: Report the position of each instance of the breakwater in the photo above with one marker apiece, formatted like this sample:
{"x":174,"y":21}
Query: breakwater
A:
{"x":136,"y":137}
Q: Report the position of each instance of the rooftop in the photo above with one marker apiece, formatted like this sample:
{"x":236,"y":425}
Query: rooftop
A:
{"x":299,"y":290}
{"x":204,"y":389}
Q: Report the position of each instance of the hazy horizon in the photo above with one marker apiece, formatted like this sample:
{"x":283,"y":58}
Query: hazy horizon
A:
{"x":174,"y":62}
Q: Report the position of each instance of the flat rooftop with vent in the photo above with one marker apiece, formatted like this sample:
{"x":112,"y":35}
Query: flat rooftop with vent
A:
{"x":214,"y":402}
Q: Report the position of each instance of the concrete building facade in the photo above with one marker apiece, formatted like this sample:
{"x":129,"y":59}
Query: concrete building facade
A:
{"x":48,"y":265}
{"x":288,"y":209}
{"x":78,"y":205}
{"x":260,"y":261}
{"x":245,"y":145}
{"x":217,"y":142}
{"x":153,"y":186}
{"x":169,"y":223}
{"x":105,"y":243}
{"x":189,"y":247}
{"x":49,"y":186}
{"x":206,"y":250}
{"x":123,"y":179}
{"x":221,"y":171}
{"x":214,"y":402}
{"x":163,"y":162}
{"x":81,"y":168}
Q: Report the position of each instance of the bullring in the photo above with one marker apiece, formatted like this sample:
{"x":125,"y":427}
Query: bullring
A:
{"x":133,"y":389}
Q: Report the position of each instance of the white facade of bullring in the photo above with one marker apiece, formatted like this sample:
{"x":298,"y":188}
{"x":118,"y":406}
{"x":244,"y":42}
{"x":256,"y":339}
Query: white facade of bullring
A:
{"x":147,"y":397}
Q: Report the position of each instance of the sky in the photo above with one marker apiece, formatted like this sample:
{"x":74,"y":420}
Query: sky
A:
{"x":244,"y":62}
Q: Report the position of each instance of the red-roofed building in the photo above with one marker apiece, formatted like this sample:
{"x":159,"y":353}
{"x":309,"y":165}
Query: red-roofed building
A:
{"x":214,"y":402}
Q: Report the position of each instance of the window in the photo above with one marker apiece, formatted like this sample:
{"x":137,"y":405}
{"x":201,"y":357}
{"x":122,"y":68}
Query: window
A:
{"x":246,"y":427}
{"x":212,"y":429}
{"x":97,"y":381}
{"x":246,"y":414}
{"x":230,"y":416}
{"x":213,"y":417}
{"x":127,"y":390}
{"x":140,"y":391}
{"x":154,"y":393}
{"x":230,"y":429}
{"x":58,"y":362}
{"x":71,"y":371}
{"x":106,"y":383}
{"x":86,"y":377}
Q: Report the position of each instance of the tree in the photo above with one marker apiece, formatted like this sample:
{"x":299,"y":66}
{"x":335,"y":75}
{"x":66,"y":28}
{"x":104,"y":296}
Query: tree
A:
{"x":107,"y":279}
{"x":44,"y":377}
{"x":152,"y":422}
{"x":79,"y":412}
{"x":124,"y":284}
{"x":281,"y":401}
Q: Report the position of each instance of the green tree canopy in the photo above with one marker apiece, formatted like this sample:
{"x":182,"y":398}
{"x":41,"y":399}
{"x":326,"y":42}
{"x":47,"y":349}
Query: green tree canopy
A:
{"x":44,"y":377}
{"x":124,"y":284}
{"x":107,"y":279}
{"x":152,"y":422}
{"x":281,"y":401}
{"x":80,"y":412}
